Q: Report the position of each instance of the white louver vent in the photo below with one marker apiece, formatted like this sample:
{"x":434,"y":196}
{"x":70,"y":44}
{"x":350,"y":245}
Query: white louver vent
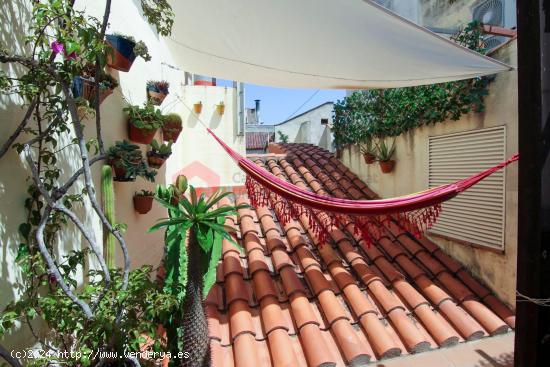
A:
{"x":477,"y":215}
{"x":489,"y":12}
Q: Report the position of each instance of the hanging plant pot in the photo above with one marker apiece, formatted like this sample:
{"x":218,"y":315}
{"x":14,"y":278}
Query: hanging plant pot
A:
{"x":156,"y":98}
{"x":156,"y":160}
{"x":143,"y":204}
{"x":387,"y":166}
{"x":171,"y":131}
{"x":120,"y":52}
{"x":197,"y":107}
{"x":220,"y":108}
{"x":143,"y":136}
{"x":85,"y":88}
{"x":369,"y":158}
{"x":120,"y":171}
{"x":157,"y":90}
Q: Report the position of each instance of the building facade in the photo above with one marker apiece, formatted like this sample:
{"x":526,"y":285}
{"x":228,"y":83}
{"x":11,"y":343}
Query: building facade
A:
{"x":311,"y":127}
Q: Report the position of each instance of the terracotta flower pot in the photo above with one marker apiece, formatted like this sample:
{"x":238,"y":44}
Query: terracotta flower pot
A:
{"x":143,"y":204}
{"x":171,"y":131}
{"x":85,"y":88}
{"x":221,"y":109}
{"x":143,"y":136}
{"x":156,"y":98}
{"x":197,"y":107}
{"x":369,"y":158}
{"x":387,"y":166}
{"x":120,"y":171}
{"x":120,"y":53}
{"x":156,"y":160}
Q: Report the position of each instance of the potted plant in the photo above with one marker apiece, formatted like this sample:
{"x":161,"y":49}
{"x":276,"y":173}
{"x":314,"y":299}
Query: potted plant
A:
{"x":157,"y":91}
{"x":220,"y":107}
{"x":122,"y":50}
{"x":385,"y":154}
{"x":143,"y":122}
{"x":159,"y":153}
{"x":172,"y":127}
{"x":197,"y":107}
{"x":143,"y":201}
{"x":83,"y":86}
{"x":368,"y":150}
{"x":127,"y":162}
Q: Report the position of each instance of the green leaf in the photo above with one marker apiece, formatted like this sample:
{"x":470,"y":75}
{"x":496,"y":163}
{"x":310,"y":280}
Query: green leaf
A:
{"x":166,"y":223}
{"x":205,"y":237}
{"x":22,"y":252}
{"x":210,"y":276}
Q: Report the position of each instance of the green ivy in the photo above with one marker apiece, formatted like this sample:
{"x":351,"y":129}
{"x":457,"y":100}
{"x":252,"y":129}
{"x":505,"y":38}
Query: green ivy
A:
{"x":370,"y":114}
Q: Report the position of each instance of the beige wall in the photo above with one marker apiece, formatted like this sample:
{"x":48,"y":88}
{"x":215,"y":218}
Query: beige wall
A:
{"x":497,"y":270}
{"x":192,"y":145}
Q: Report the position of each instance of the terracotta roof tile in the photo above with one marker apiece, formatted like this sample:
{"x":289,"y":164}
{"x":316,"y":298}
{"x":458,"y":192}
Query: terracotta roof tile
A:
{"x":259,"y":140}
{"x":292,"y":301}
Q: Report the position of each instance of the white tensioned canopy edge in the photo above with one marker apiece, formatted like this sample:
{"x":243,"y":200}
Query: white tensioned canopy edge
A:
{"x":325,"y":44}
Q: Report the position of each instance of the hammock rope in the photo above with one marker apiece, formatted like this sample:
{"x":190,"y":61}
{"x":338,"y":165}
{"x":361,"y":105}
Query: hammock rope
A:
{"x":415,"y":212}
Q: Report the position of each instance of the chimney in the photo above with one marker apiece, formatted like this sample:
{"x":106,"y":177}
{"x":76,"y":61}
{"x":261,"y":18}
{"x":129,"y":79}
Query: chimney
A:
{"x":257,"y":110}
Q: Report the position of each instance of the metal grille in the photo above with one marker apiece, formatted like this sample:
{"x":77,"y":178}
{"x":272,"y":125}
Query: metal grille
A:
{"x":492,"y":42}
{"x":477,"y":215}
{"x":489,"y":12}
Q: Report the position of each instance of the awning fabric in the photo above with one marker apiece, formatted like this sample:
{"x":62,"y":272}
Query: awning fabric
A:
{"x":326,"y":44}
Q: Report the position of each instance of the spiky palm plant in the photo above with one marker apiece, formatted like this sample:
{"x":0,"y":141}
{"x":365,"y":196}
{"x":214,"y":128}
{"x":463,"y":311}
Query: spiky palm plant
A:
{"x":191,"y":270}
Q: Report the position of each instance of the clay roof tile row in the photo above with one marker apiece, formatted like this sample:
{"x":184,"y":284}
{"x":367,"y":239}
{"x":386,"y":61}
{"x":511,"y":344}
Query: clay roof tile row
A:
{"x":289,"y":300}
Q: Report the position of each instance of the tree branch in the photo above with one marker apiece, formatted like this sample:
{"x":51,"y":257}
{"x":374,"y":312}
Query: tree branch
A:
{"x":98,"y":70}
{"x":8,"y":358}
{"x":63,"y":189}
{"x":88,"y":181}
{"x":73,"y":217}
{"x":40,"y":237}
{"x":95,"y":248}
{"x":134,"y":360}
{"x":6,"y":146}
{"x":52,"y":268}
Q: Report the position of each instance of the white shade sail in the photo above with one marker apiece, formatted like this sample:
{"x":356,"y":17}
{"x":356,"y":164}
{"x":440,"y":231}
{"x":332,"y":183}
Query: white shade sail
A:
{"x":328,"y":44}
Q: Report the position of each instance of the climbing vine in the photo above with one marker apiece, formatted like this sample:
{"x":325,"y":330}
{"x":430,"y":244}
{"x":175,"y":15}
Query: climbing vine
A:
{"x":369,"y":114}
{"x":114,"y":310}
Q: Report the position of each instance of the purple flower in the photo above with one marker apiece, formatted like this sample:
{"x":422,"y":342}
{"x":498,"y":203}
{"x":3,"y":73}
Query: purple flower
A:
{"x":57,"y":47}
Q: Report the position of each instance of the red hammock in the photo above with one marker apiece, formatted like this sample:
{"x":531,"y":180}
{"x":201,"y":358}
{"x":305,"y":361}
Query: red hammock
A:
{"x":416,"y":212}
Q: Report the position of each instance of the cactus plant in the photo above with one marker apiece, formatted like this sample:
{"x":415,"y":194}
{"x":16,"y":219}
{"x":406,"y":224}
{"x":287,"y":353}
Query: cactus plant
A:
{"x":108,"y":201}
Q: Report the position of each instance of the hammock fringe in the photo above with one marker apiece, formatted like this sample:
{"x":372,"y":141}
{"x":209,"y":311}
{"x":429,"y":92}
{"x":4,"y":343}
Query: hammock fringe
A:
{"x":371,"y":228}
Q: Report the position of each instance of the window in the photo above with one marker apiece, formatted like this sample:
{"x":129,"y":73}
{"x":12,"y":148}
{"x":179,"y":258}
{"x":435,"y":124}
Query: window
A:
{"x":476,"y":216}
{"x":324,"y":121}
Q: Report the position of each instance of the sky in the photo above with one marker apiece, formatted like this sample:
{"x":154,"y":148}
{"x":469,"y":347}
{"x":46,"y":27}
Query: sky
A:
{"x":279,"y":104}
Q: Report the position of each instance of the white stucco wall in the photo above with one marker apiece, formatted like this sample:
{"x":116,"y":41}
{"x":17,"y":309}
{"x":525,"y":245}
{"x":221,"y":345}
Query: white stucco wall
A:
{"x":496,"y":269}
{"x":197,"y":154}
{"x":307,"y":127}
{"x":192,"y":145}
